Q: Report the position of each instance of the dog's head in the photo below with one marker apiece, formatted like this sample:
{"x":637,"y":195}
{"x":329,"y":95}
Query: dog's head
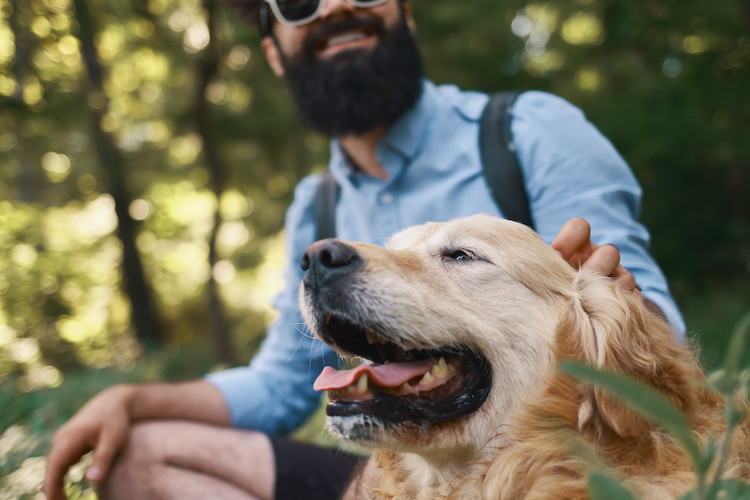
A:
{"x":461,"y":322}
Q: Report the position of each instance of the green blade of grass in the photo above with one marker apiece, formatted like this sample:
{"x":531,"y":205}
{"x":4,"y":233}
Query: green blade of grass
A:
{"x":729,"y":489}
{"x":602,"y":487}
{"x":642,"y":398}
{"x":736,"y":348}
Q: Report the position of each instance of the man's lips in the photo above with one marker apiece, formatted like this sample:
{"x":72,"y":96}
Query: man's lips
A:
{"x":355,"y":38}
{"x":344,"y":38}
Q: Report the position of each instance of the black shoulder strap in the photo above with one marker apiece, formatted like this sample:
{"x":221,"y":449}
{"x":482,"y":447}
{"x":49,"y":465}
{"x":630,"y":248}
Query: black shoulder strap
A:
{"x":326,"y":197}
{"x":499,"y":160}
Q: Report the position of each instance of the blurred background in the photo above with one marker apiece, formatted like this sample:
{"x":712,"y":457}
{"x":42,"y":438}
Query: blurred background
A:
{"x":147,"y":156}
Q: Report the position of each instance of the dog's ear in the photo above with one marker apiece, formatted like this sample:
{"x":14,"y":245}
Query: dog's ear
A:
{"x":612,"y":329}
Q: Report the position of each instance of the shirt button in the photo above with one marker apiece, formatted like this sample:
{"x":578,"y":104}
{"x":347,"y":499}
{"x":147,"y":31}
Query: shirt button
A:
{"x":386,"y":198}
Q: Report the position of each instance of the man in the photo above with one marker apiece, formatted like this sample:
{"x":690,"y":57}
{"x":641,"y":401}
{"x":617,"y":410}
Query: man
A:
{"x":404,"y":151}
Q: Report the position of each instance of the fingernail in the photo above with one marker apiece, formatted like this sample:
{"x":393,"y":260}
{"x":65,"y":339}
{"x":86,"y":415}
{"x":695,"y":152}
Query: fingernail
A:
{"x":94,"y":474}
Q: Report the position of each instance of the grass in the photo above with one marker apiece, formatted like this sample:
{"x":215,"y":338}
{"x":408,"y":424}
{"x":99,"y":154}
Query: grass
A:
{"x":28,"y":420}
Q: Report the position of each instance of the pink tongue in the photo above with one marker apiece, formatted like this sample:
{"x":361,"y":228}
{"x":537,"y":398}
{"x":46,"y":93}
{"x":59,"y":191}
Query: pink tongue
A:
{"x":390,"y":375}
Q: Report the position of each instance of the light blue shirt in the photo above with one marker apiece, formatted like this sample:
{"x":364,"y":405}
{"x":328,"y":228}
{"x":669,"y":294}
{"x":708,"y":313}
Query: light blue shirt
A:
{"x":434,"y":174}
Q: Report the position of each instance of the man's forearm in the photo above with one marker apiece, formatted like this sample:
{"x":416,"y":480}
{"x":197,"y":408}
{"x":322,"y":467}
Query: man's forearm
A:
{"x":197,"y":400}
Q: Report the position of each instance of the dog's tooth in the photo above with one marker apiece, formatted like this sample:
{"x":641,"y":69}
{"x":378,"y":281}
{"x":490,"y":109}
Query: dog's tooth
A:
{"x":427,"y":378}
{"x":371,"y":337}
{"x":440,"y":369}
{"x":350,"y":389}
{"x":405,"y":387}
{"x":362,"y":383}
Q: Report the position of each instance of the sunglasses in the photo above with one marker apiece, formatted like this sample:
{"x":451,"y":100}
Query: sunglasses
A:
{"x":301,"y":12}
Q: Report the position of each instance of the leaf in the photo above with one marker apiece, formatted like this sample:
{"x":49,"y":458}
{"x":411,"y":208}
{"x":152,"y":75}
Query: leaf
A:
{"x":643,"y":399}
{"x":602,"y":487}
{"x":732,"y":489}
{"x":690,"y":495}
{"x":735,"y":350}
{"x":720,"y":382}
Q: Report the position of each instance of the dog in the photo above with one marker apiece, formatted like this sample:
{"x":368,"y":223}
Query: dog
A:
{"x":462,"y":325}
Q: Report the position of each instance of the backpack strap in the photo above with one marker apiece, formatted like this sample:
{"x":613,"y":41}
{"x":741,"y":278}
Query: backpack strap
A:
{"x":499,"y":163}
{"x":499,"y":160}
{"x":326,"y":198}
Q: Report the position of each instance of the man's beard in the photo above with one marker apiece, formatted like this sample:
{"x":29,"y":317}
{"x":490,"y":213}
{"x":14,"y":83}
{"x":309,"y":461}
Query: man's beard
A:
{"x":353,"y":92}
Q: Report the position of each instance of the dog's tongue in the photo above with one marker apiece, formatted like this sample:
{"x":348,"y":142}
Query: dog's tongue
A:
{"x":388,"y":375}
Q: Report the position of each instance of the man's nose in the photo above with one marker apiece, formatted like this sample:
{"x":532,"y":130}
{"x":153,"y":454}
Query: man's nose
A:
{"x":335,"y":8}
{"x":328,"y":259}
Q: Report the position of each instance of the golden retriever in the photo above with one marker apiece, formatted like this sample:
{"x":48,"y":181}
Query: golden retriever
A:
{"x":462,"y":324}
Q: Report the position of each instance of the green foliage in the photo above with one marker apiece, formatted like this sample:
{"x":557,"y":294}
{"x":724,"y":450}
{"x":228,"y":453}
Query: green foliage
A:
{"x":604,"y":487}
{"x":730,"y":381}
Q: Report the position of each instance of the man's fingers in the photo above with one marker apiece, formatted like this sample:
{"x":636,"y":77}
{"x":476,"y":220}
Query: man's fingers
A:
{"x":625,"y":280}
{"x":604,"y":260}
{"x":53,"y":482}
{"x":573,"y":241}
{"x":65,"y":452}
{"x":110,"y":442}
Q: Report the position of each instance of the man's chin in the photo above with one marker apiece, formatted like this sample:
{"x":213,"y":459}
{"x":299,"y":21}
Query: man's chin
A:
{"x":355,"y":85}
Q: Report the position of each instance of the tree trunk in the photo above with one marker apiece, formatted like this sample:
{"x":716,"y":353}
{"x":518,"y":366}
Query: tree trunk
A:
{"x":112,"y":163}
{"x":206,"y":71}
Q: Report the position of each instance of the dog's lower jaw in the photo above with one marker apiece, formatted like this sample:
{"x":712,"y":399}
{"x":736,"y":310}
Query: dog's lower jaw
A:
{"x":361,"y":429}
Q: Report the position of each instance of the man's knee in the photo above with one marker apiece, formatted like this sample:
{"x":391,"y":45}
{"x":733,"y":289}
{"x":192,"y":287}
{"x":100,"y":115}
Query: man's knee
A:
{"x":138,"y":463}
{"x":163,"y":457}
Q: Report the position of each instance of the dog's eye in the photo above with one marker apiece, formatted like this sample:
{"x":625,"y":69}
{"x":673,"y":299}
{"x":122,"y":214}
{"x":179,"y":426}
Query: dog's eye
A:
{"x":458,"y":255}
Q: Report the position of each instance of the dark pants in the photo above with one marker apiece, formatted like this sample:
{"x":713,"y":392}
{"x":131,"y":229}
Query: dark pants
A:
{"x":308,"y":472}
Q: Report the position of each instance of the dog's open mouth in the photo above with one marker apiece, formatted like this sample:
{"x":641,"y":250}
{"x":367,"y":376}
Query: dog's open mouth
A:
{"x":401,"y":385}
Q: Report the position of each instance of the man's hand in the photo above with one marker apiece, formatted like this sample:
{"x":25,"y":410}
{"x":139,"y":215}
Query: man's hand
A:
{"x":101,"y":425}
{"x":104,"y":424}
{"x":573,"y":243}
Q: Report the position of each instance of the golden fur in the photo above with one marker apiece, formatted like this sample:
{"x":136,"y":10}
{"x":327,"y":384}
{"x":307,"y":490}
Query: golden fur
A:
{"x":539,"y":433}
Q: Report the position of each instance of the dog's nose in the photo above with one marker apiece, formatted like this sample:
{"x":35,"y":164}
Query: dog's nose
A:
{"x":329,"y":254}
{"x":326,"y":258}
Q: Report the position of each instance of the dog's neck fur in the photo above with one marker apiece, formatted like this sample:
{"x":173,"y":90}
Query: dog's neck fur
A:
{"x":424,"y":480}
{"x":428,"y":476}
